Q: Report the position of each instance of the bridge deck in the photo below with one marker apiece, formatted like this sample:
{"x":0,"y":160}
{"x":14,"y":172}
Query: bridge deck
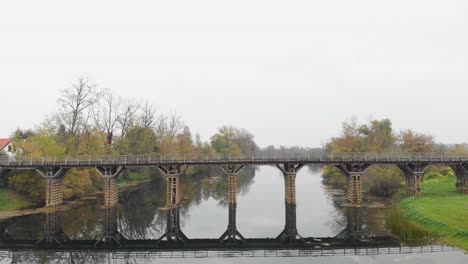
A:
{"x":157,"y":160}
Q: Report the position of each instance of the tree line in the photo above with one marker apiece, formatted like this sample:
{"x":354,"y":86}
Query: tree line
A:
{"x":379,"y":136}
{"x":94,"y":121}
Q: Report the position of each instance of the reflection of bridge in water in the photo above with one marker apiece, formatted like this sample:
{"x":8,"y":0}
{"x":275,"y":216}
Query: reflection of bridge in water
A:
{"x":352,"y":240}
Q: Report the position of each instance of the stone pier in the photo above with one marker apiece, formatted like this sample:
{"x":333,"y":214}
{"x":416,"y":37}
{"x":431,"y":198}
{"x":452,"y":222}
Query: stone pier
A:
{"x":111,"y":191}
{"x":173,"y":232}
{"x":289,"y":233}
{"x":353,"y":173}
{"x":172,"y":175}
{"x":232,"y":235}
{"x":461,"y":171}
{"x":54,"y":180}
{"x":413,"y":174}
{"x":354,"y":188}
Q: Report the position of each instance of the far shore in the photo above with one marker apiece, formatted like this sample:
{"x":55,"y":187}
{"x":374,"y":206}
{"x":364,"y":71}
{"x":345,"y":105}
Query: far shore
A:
{"x":67,"y":204}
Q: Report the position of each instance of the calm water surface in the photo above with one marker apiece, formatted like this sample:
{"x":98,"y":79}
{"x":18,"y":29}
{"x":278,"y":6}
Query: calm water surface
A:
{"x":204,"y":214}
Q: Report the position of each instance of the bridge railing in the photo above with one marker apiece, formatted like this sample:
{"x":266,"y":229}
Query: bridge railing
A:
{"x":92,"y":160}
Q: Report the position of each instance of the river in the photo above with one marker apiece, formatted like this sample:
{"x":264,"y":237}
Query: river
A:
{"x":204,"y":214}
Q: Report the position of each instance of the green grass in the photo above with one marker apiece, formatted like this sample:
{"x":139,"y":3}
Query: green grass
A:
{"x":11,"y":200}
{"x":441,"y":209}
{"x":413,"y":234}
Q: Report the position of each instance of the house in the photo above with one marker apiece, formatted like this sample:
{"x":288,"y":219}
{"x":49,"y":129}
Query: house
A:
{"x":6,"y":146}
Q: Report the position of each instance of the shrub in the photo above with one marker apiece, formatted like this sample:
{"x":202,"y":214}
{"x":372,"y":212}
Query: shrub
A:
{"x":433,"y":176}
{"x":77,"y":182}
{"x":28,"y":182}
{"x":333,"y":177}
{"x":382,"y":181}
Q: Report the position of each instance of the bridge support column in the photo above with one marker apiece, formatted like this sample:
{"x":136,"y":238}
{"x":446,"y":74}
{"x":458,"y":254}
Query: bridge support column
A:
{"x":413,"y":174}
{"x":173,"y":232}
{"x":54,"y":188}
{"x":353,"y":173}
{"x":111,"y":191}
{"x":171,"y":174}
{"x":232,"y":235}
{"x":289,"y":233}
{"x":461,"y":171}
{"x":354,"y":188}
{"x":111,"y":235}
{"x":54,"y":235}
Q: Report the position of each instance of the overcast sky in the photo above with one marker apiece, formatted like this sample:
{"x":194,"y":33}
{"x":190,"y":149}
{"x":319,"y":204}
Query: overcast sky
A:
{"x":290,"y":72}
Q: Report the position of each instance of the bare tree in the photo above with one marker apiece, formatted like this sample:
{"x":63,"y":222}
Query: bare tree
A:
{"x":161,"y":127}
{"x":174,"y":124}
{"x":168,"y":126}
{"x":107,"y":114}
{"x":75,"y":105}
{"x":127,"y":116}
{"x":147,"y":116}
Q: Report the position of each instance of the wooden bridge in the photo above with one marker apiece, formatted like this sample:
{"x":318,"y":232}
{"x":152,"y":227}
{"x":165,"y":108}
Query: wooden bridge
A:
{"x":353,"y":166}
{"x":174,"y":241}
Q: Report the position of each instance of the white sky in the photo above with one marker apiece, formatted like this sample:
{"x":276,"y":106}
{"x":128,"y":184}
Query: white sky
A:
{"x":288,"y":71}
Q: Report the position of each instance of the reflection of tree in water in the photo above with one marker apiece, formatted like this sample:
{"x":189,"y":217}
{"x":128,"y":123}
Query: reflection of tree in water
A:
{"x":4,"y":235}
{"x":337,"y":219}
{"x":373,"y":219}
{"x":141,"y":214}
{"x":25,"y":227}
{"x":343,"y":218}
{"x":64,"y":257}
{"x":83,"y":222}
{"x":216,"y":187}
{"x":140,"y":217}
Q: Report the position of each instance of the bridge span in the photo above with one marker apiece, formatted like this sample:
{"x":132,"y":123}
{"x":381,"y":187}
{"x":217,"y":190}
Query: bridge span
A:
{"x":352,"y":165}
{"x":353,"y":238}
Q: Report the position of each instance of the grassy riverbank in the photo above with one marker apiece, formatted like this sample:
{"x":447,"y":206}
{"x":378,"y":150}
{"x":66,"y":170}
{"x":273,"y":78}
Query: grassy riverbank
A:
{"x":440,"y":209}
{"x":11,"y":200}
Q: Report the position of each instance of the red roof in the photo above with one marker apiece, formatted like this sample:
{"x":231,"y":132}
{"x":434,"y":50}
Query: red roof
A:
{"x":4,"y":142}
